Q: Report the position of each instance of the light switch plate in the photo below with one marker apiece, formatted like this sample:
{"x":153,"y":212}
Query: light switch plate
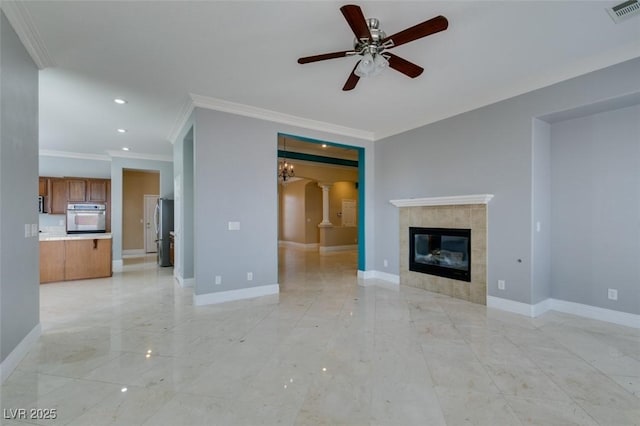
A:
{"x":234,"y":226}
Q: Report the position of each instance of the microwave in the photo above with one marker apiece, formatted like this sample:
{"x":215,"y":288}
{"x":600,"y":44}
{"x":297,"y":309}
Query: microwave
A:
{"x":42,"y":204}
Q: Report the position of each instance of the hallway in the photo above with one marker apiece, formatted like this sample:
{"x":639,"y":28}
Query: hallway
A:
{"x":133,"y":350}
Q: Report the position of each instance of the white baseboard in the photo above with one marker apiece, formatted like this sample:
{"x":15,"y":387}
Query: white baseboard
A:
{"x":13,"y":359}
{"x":185,"y":282}
{"x":133,"y":252}
{"x":330,"y":249}
{"x":594,"y":312}
{"x":525,"y":309}
{"x":117,"y":265}
{"x":379,"y":275}
{"x":586,"y":311}
{"x":231,"y":295}
{"x":303,"y":246}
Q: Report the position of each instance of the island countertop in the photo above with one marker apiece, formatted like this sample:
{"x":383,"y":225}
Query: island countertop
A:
{"x":44,"y":236}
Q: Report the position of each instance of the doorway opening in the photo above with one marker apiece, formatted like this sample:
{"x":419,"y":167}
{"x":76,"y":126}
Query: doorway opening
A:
{"x":140,"y":189}
{"x":321,"y":207}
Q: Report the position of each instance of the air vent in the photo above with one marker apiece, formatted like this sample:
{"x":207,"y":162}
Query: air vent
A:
{"x":624,"y":10}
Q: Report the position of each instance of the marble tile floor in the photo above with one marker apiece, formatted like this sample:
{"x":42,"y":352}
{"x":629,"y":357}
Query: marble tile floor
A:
{"x":132,"y":350}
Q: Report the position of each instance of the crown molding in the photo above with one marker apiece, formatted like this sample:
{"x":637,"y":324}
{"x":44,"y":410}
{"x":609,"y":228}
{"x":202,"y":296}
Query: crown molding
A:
{"x":22,"y":22}
{"x":183,"y":116}
{"x":278,"y":117}
{"x":76,"y":155}
{"x":443,"y":201}
{"x":109,"y":157}
{"x":140,"y":156}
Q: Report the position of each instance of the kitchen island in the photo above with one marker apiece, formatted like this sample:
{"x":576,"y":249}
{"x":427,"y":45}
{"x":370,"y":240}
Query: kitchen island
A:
{"x":65,"y":257}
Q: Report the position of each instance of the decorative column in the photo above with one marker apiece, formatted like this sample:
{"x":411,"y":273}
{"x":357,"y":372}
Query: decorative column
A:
{"x":325,"y":205}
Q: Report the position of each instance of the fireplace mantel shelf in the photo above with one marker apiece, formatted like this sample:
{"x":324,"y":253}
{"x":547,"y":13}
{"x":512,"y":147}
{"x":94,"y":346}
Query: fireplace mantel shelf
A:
{"x":443,"y":201}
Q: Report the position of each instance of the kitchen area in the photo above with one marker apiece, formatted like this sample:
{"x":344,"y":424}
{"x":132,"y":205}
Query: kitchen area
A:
{"x":75,"y":243}
{"x":75,"y":228}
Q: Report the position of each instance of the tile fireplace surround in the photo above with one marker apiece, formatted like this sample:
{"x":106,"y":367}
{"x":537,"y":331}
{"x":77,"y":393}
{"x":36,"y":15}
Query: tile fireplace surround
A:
{"x":464,"y":212}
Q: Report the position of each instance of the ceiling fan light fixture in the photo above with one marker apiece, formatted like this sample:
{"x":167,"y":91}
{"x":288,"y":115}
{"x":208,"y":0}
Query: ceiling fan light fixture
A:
{"x":366,"y":66}
{"x":371,"y":65}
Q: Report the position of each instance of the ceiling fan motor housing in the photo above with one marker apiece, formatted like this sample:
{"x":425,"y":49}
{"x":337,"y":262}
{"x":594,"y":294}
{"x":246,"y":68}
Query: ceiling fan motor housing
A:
{"x":373,"y":45}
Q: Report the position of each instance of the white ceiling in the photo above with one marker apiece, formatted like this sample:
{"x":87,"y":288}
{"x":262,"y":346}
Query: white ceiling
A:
{"x":156,"y":53}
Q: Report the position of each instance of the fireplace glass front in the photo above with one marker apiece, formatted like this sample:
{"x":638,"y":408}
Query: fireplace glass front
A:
{"x":441,"y":251}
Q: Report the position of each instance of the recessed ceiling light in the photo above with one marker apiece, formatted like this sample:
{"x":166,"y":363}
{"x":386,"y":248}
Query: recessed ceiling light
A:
{"x":122,"y":130}
{"x":124,"y":148}
{"x":120,"y":101}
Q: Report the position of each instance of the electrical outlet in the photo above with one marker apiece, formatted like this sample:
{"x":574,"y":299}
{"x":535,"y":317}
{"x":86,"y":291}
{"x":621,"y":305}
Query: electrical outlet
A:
{"x":612,"y":294}
{"x":501,"y":284}
{"x":249,"y":276}
{"x":34,"y":229}
{"x":218,"y":279}
{"x":385,"y":263}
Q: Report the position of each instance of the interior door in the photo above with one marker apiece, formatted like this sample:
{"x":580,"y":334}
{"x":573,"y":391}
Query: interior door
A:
{"x":150,"y":202}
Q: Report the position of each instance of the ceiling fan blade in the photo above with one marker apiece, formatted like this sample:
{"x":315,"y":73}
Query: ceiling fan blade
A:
{"x":324,"y":57}
{"x":352,"y":80}
{"x":405,"y":67}
{"x":355,"y":18}
{"x":432,"y":26}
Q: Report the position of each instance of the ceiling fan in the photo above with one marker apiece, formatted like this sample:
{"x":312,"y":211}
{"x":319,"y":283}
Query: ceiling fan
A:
{"x":372,"y":43}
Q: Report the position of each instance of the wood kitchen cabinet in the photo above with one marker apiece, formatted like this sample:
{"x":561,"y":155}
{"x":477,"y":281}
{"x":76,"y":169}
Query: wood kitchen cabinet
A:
{"x":90,"y":258}
{"x":61,"y":191}
{"x":43,"y":189}
{"x":97,"y":190}
{"x":76,"y":190}
{"x":75,"y":259}
{"x":51,"y":261}
{"x":58,"y":195}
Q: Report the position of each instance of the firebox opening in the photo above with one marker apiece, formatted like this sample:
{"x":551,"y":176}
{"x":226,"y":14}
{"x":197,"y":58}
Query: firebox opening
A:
{"x":441,"y":251}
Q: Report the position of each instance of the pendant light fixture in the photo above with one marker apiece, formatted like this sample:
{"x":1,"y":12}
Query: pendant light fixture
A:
{"x":285,"y":169}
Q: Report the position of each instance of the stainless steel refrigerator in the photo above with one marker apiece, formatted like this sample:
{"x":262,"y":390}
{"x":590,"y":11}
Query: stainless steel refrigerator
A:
{"x":163,"y":220}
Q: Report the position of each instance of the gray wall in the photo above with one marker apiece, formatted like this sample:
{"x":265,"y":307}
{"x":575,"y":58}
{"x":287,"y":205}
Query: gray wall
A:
{"x":118,"y":164}
{"x":488,"y":150}
{"x":19,"y":256}
{"x":541,"y":227}
{"x":595,"y":169}
{"x":235,"y":180}
{"x":80,"y":167}
{"x":183,"y":171}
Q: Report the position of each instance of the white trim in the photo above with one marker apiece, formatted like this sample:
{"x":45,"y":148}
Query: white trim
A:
{"x":19,"y":352}
{"x":303,"y":246}
{"x":69,"y":154}
{"x":117,"y":265}
{"x":231,"y":295}
{"x":366,"y":275}
{"x":541,"y":307}
{"x":141,"y":156}
{"x":513,"y":306}
{"x":133,"y":252}
{"x":185,"y":282}
{"x":579,"y":309}
{"x":331,"y":249}
{"x":22,"y":22}
{"x":597,"y":313}
{"x":183,"y":116}
{"x":443,"y":201}
{"x":379,"y":275}
{"x":277,"y":117}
